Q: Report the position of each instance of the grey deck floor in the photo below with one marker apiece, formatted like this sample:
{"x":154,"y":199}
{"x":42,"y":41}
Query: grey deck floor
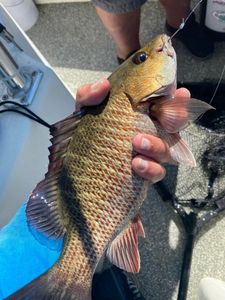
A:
{"x":74,"y":42}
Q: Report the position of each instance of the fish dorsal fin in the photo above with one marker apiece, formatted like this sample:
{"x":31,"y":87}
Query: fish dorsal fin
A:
{"x":123,"y":251}
{"x":43,"y":208}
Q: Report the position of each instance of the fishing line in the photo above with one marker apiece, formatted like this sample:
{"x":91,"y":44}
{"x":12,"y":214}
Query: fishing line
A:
{"x":185,"y":20}
{"x":197,"y":212}
{"x":179,"y":29}
{"x":218,"y":84}
{"x":193,"y":223}
{"x":214,"y":93}
{"x":29,"y":113}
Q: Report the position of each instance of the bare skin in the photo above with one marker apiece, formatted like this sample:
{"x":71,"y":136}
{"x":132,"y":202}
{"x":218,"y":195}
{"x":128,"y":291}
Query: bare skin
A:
{"x":124,"y":27}
{"x":176,"y":10}
{"x":152,"y":150}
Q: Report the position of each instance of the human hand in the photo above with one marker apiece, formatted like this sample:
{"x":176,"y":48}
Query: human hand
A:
{"x":152,"y":150}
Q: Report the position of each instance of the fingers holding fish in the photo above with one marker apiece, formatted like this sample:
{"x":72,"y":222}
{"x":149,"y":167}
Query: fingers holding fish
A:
{"x":92,"y":94}
{"x":152,"y":147}
{"x":181,"y":110}
{"x":89,"y":170}
{"x":182,"y":92}
{"x":148,"y":169}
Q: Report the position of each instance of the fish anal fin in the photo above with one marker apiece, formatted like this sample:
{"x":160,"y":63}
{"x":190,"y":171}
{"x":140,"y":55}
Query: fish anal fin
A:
{"x":176,"y":114}
{"x":123,"y":251}
{"x":137,"y":225}
{"x":44,"y":213}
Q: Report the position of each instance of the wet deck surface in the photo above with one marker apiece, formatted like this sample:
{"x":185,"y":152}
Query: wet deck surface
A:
{"x":74,"y":42}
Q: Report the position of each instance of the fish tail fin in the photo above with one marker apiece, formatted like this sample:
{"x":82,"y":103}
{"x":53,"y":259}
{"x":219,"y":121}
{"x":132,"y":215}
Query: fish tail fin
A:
{"x":52,"y":286}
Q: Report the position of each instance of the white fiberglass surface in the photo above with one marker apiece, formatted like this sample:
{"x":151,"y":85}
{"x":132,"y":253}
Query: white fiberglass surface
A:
{"x":24,"y":143}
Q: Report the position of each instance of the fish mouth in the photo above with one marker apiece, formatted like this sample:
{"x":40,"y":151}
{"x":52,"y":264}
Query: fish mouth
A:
{"x":167,"y":47}
{"x":165,"y":91}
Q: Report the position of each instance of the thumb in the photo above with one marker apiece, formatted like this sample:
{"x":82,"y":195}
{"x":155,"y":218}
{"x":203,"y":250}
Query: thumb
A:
{"x":92,"y":94}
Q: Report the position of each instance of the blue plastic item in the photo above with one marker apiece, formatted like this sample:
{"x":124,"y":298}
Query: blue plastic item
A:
{"x":22,"y":257}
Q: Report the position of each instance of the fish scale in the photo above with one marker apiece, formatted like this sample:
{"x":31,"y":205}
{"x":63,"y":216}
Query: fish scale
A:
{"x":114,"y":186}
{"x":90,"y":196}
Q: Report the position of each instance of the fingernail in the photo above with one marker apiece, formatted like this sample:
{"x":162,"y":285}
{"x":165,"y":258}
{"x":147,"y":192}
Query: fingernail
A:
{"x":158,"y":178}
{"x":145,"y":144}
{"x":95,"y":86}
{"x":141,"y":164}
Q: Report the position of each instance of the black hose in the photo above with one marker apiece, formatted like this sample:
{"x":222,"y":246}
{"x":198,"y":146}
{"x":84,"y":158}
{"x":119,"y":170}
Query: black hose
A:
{"x":30,"y":114}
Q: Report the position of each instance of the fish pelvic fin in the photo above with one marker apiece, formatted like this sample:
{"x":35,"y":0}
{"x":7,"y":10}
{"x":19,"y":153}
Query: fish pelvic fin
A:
{"x":52,"y":286}
{"x":179,"y":150}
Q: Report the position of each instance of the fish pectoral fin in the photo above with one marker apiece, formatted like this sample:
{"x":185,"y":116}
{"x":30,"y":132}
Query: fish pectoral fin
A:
{"x":44,"y":218}
{"x":123,"y":251}
{"x":175,"y":114}
{"x":179,"y":150}
{"x":44,"y":213}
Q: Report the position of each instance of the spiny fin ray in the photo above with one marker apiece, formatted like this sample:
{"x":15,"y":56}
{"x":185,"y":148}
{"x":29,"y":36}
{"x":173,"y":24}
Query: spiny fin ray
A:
{"x":43,"y":210}
{"x":123,"y":251}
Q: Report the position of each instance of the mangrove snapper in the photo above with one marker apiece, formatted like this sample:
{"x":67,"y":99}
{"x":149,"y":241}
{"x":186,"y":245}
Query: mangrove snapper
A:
{"x":90,"y":196}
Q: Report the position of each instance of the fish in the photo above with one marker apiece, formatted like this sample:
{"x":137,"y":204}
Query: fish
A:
{"x":90,"y":197}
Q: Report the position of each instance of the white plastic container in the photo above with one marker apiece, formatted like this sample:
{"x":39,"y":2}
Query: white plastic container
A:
{"x":211,"y":289}
{"x":213,"y":18}
{"x":24,"y":12}
{"x":215,"y":15}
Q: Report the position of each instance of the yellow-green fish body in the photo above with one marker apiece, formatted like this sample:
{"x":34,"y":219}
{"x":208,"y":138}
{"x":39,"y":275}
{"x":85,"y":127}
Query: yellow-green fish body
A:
{"x":90,"y":195}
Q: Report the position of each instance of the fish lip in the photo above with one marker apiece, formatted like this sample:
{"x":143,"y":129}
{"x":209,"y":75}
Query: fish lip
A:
{"x":167,"y":47}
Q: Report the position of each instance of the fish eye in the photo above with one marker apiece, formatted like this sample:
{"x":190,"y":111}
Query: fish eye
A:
{"x":139,"y":57}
